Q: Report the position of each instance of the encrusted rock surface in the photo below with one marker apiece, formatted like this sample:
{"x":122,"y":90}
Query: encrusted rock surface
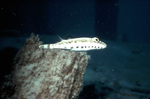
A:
{"x":48,"y":74}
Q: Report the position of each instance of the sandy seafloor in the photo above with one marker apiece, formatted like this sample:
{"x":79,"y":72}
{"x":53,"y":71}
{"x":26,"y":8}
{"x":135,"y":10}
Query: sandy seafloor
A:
{"x":123,"y":65}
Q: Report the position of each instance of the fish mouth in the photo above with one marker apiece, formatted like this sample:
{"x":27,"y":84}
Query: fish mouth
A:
{"x":104,"y":45}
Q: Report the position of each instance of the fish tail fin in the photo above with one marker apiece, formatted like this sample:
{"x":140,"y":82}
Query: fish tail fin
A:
{"x":45,"y":46}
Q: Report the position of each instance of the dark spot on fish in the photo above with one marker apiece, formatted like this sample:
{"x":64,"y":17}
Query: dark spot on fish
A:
{"x":48,"y":45}
{"x":82,"y":47}
{"x":71,"y":47}
{"x":95,"y":46}
{"x":77,"y":47}
{"x":92,"y":46}
{"x":85,"y":46}
{"x":89,"y":47}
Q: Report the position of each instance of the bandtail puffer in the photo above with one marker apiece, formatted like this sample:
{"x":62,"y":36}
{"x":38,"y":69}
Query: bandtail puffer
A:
{"x":77,"y":44}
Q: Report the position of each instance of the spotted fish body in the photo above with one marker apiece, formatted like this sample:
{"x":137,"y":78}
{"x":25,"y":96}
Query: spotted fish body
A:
{"x":77,"y":44}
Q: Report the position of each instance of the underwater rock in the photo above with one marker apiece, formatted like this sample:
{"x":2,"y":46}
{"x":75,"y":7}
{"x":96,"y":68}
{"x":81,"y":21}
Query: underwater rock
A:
{"x":48,"y":74}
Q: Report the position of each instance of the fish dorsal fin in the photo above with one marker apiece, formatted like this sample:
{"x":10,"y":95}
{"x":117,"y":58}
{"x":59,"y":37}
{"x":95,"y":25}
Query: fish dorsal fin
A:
{"x":60,"y":37}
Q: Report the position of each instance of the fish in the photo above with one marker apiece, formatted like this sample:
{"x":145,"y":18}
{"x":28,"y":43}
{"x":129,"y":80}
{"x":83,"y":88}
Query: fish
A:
{"x":76,"y":44}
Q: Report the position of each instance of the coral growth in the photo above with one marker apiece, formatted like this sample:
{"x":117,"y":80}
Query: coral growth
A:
{"x":48,"y":74}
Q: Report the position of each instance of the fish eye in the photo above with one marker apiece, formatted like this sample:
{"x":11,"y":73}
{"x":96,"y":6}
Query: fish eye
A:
{"x":96,"y":39}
